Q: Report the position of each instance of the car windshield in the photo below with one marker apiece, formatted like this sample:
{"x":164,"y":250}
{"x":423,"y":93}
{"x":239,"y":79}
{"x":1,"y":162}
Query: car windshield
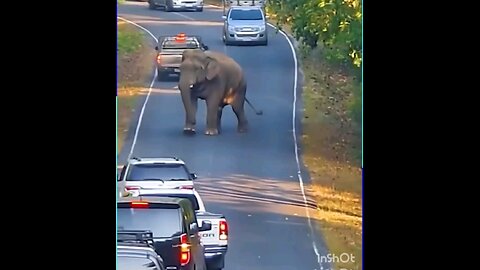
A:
{"x":165,"y":172}
{"x":134,"y":263}
{"x":161,"y":222}
{"x":179,"y":45}
{"x":246,"y":14}
{"x":190,"y":197}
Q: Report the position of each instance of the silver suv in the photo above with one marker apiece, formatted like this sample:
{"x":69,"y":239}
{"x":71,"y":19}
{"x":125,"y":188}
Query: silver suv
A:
{"x":245,"y":24}
{"x":174,"y":5}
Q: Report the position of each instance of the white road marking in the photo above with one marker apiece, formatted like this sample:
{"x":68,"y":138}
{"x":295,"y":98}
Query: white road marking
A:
{"x":294,"y":115}
{"x":140,"y":117}
{"x":184,"y":16}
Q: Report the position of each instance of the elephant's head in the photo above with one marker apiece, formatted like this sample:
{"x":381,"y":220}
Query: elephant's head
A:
{"x":196,"y":68}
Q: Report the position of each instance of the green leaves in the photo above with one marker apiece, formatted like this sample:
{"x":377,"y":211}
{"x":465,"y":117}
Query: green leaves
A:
{"x":335,"y":23}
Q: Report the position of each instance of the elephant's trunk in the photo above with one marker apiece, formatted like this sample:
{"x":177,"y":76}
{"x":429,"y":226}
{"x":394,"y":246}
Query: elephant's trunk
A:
{"x":189,"y":102}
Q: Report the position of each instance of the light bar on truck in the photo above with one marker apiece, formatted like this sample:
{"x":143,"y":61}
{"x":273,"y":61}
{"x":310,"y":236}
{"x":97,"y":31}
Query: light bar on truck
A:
{"x":139,"y":204}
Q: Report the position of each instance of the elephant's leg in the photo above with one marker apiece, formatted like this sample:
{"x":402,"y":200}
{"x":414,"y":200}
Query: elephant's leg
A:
{"x":239,"y":111}
{"x":190,"y":116}
{"x":219,"y":119}
{"x":212,"y":117}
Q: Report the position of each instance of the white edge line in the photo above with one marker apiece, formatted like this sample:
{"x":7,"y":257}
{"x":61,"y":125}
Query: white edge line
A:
{"x":140,"y":117}
{"x":297,"y":159}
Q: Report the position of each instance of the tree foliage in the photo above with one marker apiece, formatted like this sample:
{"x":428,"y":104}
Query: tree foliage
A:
{"x":336,"y":25}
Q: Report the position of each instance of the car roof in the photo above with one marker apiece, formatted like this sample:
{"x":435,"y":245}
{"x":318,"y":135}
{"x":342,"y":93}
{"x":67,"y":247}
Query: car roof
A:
{"x":151,"y":160}
{"x":160,"y":200}
{"x":139,"y":253}
{"x":166,"y":191}
{"x":247,"y":7}
{"x":163,"y":200}
{"x":134,"y":248}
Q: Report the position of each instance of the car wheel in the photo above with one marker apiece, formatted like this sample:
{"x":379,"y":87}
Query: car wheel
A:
{"x":265,"y":43}
{"x":151,"y":5}
{"x":200,"y":9}
{"x":169,"y":6}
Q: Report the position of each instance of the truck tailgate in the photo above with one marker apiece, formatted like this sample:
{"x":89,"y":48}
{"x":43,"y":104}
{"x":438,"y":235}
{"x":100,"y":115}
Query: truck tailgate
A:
{"x":171,"y":58}
{"x":212,"y":237}
{"x":170,"y":255}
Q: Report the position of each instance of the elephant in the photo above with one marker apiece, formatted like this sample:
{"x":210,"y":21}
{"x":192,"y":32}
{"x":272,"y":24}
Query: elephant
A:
{"x":217,"y":79}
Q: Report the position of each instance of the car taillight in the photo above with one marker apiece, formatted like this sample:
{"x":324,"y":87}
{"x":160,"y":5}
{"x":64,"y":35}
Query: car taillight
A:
{"x":184,"y":250}
{"x":186,"y":187}
{"x":139,"y":204}
{"x":132,"y":188}
{"x":159,"y":58}
{"x":223,"y":230}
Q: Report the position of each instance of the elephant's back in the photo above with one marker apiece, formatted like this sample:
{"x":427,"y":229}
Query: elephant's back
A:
{"x":225,"y":61}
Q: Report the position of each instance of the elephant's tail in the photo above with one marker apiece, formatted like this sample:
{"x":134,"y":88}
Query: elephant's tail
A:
{"x":259,"y":112}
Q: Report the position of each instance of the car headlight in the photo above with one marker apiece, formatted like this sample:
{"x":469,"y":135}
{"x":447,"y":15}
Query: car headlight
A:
{"x":231,"y":28}
{"x":262,"y":28}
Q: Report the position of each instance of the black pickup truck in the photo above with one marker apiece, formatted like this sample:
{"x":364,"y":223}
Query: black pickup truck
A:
{"x":173,"y":225}
{"x":170,"y":50}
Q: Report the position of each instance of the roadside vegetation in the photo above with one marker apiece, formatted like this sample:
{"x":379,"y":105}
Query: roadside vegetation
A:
{"x":330,"y":46}
{"x":134,"y":72}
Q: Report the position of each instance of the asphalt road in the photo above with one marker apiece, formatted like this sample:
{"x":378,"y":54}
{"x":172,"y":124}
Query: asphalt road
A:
{"x":250,"y":178}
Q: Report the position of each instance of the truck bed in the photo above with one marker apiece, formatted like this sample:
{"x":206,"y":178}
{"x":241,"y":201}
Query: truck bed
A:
{"x":171,"y":58}
{"x":211,"y":238}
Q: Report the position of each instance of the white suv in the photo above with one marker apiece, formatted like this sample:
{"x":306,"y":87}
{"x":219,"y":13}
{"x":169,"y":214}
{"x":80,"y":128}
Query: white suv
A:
{"x":155,"y":173}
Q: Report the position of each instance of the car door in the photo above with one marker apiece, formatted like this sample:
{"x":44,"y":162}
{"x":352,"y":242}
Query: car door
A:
{"x":197,"y":249}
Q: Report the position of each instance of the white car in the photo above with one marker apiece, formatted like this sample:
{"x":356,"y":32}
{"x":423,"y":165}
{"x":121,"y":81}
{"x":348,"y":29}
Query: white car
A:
{"x":215,"y":240}
{"x":155,"y":173}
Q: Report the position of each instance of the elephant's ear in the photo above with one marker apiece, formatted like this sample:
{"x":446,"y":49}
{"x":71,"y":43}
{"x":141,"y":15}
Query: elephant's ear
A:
{"x":186,"y":54}
{"x":212,"y":68}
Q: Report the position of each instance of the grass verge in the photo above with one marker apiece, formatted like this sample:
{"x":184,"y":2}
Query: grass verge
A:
{"x":331,"y":142}
{"x":332,"y":152}
{"x":135,"y":65}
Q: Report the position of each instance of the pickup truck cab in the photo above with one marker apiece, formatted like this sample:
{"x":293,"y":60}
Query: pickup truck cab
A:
{"x":214,"y":240}
{"x":169,"y":53}
{"x":155,"y":173}
{"x":173,"y":225}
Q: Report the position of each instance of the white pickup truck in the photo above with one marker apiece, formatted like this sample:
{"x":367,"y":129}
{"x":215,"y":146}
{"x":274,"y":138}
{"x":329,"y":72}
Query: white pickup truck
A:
{"x":215,"y":241}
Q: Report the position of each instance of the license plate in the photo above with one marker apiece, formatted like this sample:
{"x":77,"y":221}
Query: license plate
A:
{"x":189,"y":5}
{"x":247,"y":29}
{"x":176,"y":70}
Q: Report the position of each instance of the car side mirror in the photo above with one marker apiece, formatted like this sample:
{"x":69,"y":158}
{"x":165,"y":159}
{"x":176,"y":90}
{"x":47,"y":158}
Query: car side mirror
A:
{"x":194,"y":176}
{"x":193,"y":227}
{"x":206,"y":226}
{"x":224,"y":17}
{"x":122,"y":173}
{"x":205,"y":47}
{"x":156,"y":48}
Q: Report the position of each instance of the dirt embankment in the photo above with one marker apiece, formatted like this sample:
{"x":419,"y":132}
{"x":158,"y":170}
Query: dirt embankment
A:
{"x":134,"y":73}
